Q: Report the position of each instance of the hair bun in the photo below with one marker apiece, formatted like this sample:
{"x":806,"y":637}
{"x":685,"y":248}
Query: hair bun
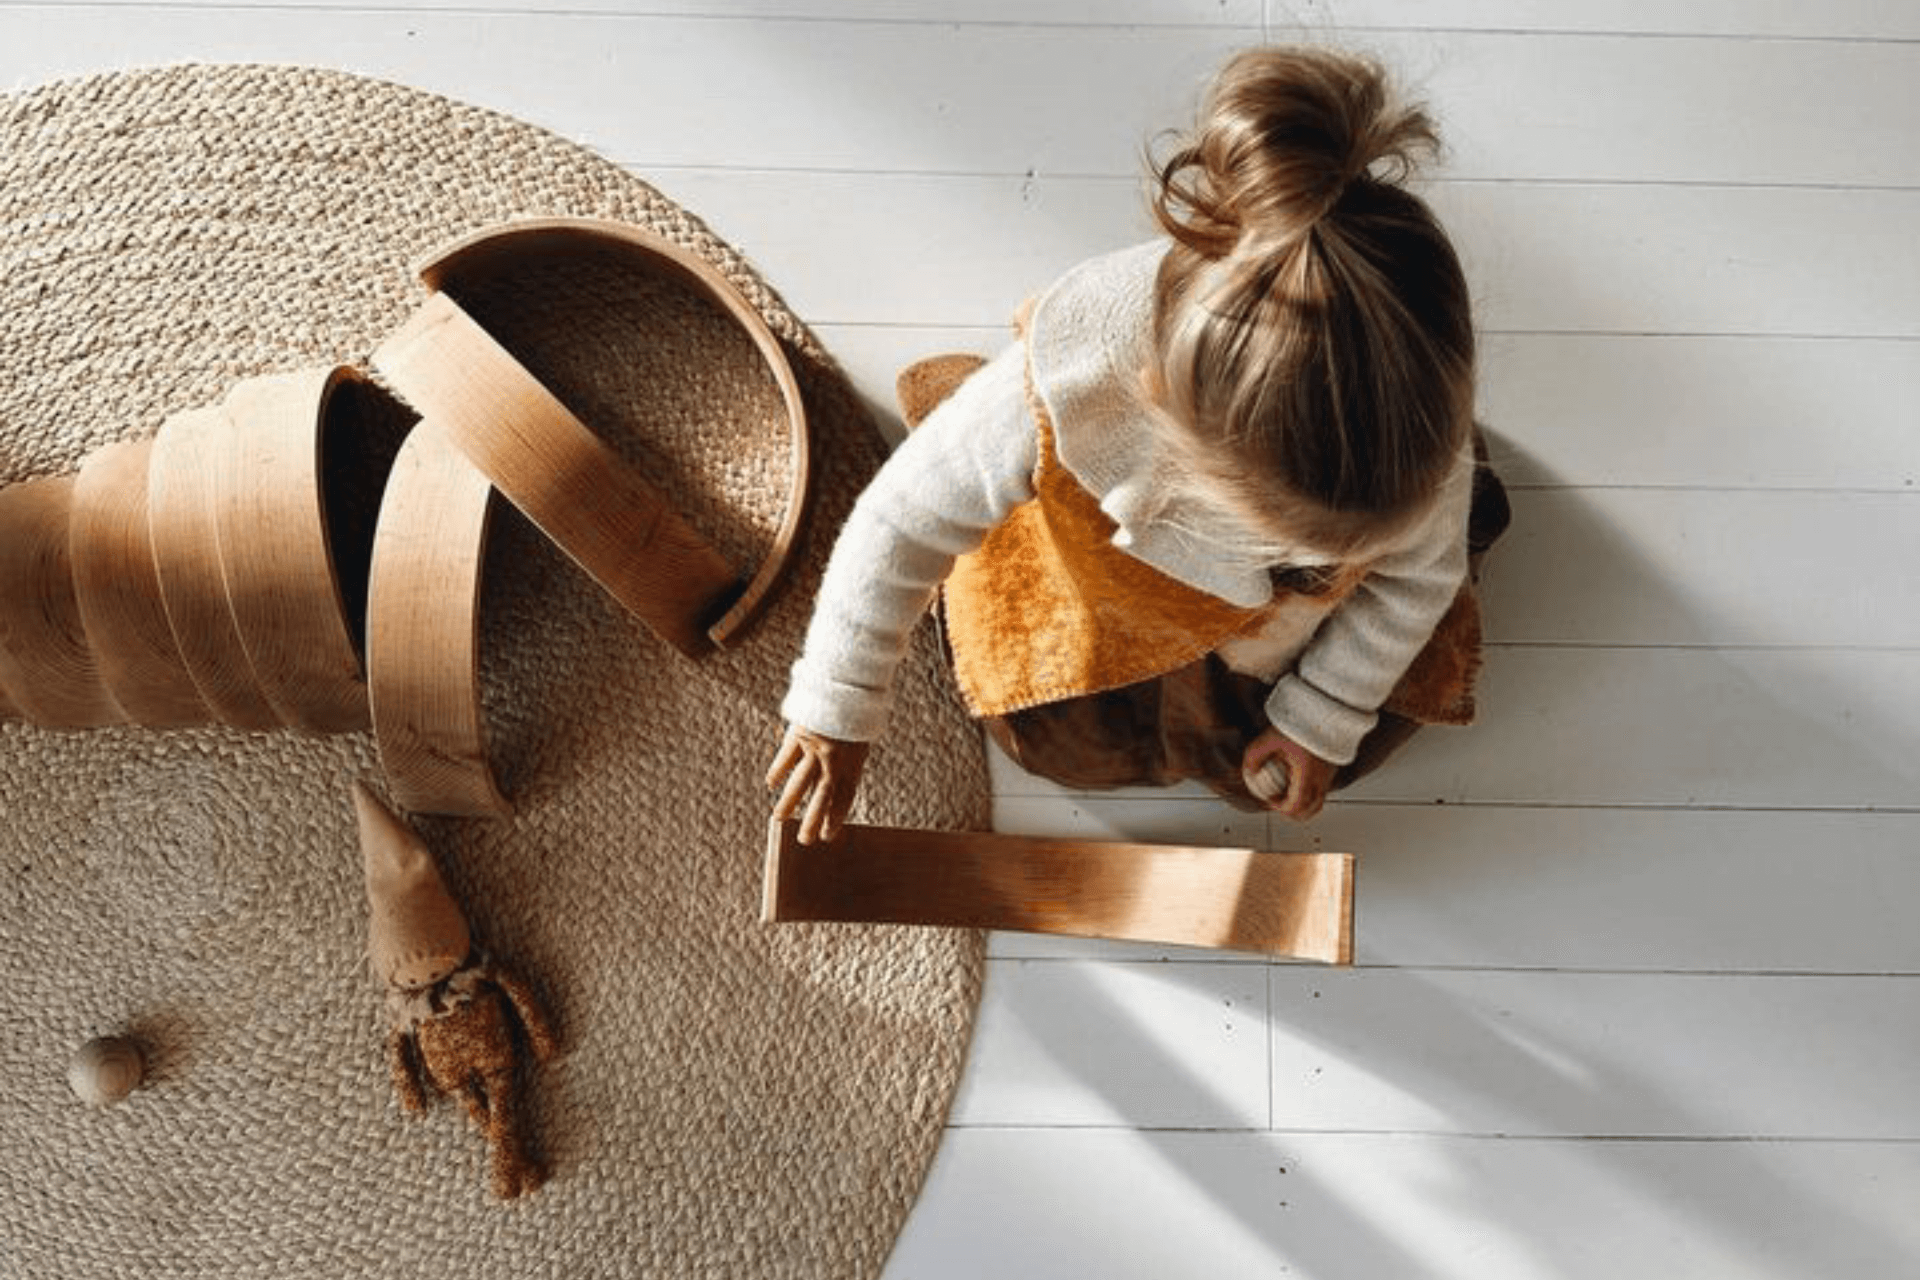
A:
{"x":1284,"y":135}
{"x":1313,"y":329}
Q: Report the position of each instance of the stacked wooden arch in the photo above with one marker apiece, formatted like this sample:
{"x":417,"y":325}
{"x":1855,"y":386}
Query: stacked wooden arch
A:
{"x":191,"y":578}
{"x":187,"y":578}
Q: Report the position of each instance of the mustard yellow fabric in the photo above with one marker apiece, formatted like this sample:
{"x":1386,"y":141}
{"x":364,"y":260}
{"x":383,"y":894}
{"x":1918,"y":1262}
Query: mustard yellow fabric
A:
{"x":1048,"y":608}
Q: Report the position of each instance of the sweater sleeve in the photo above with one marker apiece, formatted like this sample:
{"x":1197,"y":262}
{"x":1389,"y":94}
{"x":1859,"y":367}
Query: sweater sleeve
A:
{"x":960,"y":473}
{"x":1331,"y":698}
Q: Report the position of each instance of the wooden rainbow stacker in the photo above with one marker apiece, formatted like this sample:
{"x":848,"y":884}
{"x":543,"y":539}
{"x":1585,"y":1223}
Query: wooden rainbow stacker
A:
{"x":1285,"y":904}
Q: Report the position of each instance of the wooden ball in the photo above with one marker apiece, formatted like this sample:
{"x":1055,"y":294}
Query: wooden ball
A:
{"x":1270,"y":781}
{"x":105,"y":1070}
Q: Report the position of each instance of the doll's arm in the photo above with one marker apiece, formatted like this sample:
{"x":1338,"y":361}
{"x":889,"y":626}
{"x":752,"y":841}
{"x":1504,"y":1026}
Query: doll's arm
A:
{"x":532,"y":1014}
{"x":403,"y":1060}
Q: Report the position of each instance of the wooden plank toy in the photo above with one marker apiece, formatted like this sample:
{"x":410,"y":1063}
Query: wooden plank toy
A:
{"x":1285,"y":904}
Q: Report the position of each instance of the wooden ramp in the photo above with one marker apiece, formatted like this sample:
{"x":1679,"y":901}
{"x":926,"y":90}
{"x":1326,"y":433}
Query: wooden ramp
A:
{"x":1285,"y":904}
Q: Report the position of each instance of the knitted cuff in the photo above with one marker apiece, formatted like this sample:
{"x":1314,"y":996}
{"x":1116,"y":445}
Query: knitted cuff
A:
{"x":847,"y":712}
{"x":1322,"y":724}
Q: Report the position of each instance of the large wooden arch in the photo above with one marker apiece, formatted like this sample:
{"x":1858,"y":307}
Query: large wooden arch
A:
{"x":486,"y":424}
{"x":500,"y":247}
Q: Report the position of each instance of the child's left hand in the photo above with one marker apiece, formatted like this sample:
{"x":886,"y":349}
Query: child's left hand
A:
{"x":1308,"y":776}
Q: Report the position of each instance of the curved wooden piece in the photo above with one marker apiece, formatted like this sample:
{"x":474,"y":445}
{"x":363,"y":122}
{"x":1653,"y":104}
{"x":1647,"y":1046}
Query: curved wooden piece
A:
{"x":494,"y":246}
{"x":276,"y":554}
{"x":118,"y":590}
{"x":1289,"y":904}
{"x":46,"y":667}
{"x":423,"y":645}
{"x":581,"y":494}
{"x":184,"y":483}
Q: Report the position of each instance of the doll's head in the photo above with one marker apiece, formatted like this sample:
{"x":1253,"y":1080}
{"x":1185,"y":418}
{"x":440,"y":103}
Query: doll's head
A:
{"x":416,"y":934}
{"x":1314,"y":348}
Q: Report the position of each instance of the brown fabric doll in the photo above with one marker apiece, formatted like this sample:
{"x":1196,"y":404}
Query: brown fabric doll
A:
{"x":462,"y":1024}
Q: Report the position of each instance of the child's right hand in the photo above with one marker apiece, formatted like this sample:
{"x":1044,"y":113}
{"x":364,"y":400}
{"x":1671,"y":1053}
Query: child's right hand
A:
{"x":1308,"y":777}
{"x":820,"y":773}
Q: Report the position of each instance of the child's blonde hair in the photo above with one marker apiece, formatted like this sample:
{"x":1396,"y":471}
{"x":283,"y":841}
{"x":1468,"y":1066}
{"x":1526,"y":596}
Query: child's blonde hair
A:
{"x":1314,"y":340}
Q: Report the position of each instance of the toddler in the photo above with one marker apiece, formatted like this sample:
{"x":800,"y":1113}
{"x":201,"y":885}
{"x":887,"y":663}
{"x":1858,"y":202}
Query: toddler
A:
{"x":1210,"y":511}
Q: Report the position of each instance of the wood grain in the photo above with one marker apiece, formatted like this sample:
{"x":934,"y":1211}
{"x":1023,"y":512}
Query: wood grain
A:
{"x":1648,"y":410}
{"x":580,"y":493}
{"x":423,"y":643}
{"x":276,"y":555}
{"x":1298,"y":905}
{"x":118,"y":591}
{"x":183,"y":494}
{"x":498,"y":247}
{"x":46,"y":667}
{"x":1837,"y":19}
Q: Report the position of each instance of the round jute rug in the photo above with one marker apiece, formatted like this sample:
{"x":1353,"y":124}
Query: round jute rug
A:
{"x":734,"y":1100}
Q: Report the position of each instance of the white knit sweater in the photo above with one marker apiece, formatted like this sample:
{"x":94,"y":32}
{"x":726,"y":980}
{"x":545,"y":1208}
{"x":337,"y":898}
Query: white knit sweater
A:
{"x":972,"y":462}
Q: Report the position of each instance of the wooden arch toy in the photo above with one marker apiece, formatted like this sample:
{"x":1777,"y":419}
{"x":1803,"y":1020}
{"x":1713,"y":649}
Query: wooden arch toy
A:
{"x":46,"y":667}
{"x":184,"y":479}
{"x":423,"y":631}
{"x":118,"y":589}
{"x":599,"y":510}
{"x":187,"y":578}
{"x":487,"y":423}
{"x":276,"y":551}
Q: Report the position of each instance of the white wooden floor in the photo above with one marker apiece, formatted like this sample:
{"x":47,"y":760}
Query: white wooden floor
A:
{"x":1639,"y":980}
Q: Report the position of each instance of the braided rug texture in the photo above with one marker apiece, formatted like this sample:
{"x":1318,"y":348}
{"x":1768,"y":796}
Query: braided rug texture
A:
{"x":735,"y":1100}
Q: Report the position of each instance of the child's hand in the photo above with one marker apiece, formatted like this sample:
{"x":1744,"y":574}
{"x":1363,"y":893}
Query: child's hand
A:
{"x":1308,"y":776}
{"x":820,"y":773}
